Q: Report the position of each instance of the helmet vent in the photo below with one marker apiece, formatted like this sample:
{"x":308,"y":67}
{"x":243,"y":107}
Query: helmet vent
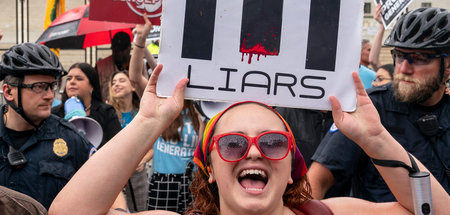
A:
{"x":19,"y":51}
{"x":429,"y":17}
{"x":442,"y":23}
{"x":410,"y":21}
{"x":35,"y":61}
{"x":413,"y":33}
{"x":6,"y":60}
{"x":17,"y":63}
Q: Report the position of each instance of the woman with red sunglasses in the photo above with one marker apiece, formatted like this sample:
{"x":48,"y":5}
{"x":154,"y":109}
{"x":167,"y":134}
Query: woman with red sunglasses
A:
{"x":248,"y":162}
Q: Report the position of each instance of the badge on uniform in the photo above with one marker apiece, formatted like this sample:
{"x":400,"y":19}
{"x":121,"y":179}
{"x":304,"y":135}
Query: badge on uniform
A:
{"x":60,"y":147}
{"x":333,"y":128}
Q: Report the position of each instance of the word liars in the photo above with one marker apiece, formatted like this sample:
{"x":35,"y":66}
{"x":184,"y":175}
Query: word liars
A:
{"x":259,"y":79}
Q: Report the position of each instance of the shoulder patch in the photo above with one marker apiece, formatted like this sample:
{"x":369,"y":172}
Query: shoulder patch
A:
{"x":333,"y":128}
{"x":92,"y":151}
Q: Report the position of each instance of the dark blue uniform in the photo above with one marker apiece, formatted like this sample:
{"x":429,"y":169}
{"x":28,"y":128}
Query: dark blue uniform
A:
{"x":54,"y":152}
{"x":347,"y":161}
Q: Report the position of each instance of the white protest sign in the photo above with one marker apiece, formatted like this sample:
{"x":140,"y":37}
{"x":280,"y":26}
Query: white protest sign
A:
{"x":292,"y":53}
{"x":391,"y":9}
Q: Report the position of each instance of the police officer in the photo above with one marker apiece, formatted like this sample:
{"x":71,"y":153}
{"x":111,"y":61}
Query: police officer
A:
{"x":413,"y":108}
{"x":40,"y":152}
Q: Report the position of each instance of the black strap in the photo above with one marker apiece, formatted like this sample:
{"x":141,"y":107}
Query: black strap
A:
{"x":19,"y":108}
{"x":393,"y":163}
{"x":447,"y":170}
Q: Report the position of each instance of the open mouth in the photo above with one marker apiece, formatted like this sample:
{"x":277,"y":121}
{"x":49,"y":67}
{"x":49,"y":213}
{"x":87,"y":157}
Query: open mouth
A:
{"x":253,"y":179}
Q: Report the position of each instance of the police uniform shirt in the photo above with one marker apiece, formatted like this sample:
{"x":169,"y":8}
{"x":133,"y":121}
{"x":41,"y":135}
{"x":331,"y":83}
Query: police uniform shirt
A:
{"x":347,"y":161}
{"x":53,"y":153}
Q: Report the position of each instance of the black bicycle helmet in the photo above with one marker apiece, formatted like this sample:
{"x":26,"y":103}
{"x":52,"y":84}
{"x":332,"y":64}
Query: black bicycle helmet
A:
{"x":30,"y":58}
{"x":423,"y":28}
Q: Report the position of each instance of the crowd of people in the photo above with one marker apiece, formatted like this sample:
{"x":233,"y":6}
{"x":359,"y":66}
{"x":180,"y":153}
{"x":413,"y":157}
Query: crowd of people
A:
{"x":250,"y":158}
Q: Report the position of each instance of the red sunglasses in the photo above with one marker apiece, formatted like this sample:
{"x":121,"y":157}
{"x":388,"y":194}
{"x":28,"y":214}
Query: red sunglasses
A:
{"x":233,"y":147}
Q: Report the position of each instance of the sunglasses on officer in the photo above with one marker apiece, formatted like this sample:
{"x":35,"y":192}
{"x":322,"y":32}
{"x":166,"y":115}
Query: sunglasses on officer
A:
{"x":414,"y":58}
{"x":233,"y":147}
{"x":38,"y":87}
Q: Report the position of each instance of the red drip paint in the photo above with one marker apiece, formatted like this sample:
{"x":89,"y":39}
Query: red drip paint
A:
{"x":257,"y":49}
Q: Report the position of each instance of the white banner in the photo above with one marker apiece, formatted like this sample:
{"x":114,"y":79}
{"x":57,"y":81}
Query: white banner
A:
{"x":292,"y":53}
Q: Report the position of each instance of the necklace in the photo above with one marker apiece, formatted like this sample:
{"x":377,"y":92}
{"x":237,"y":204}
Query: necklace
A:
{"x":87,"y":108}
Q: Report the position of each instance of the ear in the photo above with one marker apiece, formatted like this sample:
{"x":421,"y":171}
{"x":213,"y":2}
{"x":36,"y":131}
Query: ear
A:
{"x":447,"y":68}
{"x":290,"y":181}
{"x":7,"y":92}
{"x":211,"y":178}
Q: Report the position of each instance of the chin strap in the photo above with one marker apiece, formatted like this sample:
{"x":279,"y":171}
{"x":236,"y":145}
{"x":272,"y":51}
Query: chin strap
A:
{"x":392,"y":163}
{"x":19,"y":108}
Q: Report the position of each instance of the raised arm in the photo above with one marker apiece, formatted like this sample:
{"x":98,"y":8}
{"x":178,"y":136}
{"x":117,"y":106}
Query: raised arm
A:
{"x":374,"y":56}
{"x":364,"y":127}
{"x":136,"y":62}
{"x":93,"y":189}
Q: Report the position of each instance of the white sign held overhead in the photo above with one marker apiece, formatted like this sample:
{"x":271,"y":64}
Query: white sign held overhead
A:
{"x":284,"y":53}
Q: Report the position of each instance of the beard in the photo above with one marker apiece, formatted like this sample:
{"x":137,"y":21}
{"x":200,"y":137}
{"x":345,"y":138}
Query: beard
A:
{"x":418,"y":91}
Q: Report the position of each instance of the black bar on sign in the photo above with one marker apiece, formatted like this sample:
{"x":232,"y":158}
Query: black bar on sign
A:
{"x":261,"y":27}
{"x":322,"y":35}
{"x":198,"y":34}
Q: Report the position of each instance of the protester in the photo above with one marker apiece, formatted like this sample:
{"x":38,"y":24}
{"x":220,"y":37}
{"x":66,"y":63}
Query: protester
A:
{"x":173,"y":150}
{"x":125,"y":101}
{"x":365,"y":73}
{"x":266,"y":179}
{"x":40,"y":151}
{"x":422,"y":64}
{"x":118,"y":61}
{"x":83,"y":83}
{"x":15,"y":203}
{"x":124,"y":98}
{"x":447,"y":90}
{"x":384,"y":75}
{"x":374,"y":56}
{"x":365,"y":52}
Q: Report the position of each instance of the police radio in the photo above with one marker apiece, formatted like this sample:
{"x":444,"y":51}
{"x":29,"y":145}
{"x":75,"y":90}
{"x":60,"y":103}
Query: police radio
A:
{"x":16,"y":158}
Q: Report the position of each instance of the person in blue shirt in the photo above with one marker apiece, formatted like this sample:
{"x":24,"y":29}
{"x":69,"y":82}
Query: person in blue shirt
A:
{"x":40,"y":151}
{"x":173,"y":150}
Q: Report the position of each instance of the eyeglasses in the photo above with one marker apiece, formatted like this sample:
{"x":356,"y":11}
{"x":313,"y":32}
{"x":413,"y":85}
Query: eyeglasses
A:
{"x":380,"y":79}
{"x":414,"y":58}
{"x":38,"y":87}
{"x":233,"y":147}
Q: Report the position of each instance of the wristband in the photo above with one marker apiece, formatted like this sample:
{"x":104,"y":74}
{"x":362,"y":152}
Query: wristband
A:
{"x":139,"y":46}
{"x":391,"y":163}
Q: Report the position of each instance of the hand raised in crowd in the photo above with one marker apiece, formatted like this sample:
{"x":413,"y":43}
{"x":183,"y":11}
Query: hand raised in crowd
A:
{"x":364,"y":122}
{"x":142,"y":30}
{"x":163,"y":109}
{"x":377,"y":15}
